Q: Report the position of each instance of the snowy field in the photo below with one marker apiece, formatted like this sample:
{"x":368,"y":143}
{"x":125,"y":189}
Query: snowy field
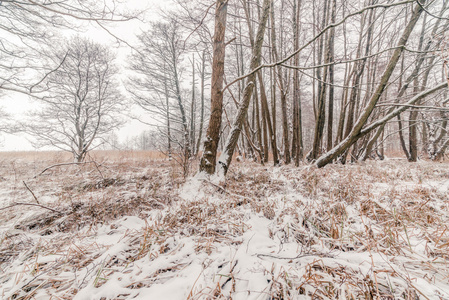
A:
{"x":131,"y":228}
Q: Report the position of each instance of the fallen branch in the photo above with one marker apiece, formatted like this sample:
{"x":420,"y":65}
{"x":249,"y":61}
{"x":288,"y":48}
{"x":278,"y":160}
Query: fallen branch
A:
{"x":34,"y":196}
{"x":227,"y":192}
{"x":30,"y":204}
{"x":296,"y":257}
{"x":68,"y":164}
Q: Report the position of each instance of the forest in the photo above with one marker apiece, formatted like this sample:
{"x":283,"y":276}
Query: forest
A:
{"x":286,"y":149}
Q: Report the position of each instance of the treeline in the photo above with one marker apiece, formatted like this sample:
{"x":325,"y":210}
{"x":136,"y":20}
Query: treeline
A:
{"x":278,"y":81}
{"x":291,"y":81}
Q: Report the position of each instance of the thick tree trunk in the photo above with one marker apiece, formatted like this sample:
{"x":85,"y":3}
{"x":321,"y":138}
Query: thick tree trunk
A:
{"x":208,"y":159}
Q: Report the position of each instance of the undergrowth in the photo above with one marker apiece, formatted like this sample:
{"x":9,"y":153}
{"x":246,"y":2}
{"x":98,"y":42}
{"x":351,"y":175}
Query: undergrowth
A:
{"x":358,"y":231}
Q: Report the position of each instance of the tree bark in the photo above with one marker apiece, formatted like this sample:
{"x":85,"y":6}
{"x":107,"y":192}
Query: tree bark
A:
{"x":192,"y":109}
{"x":267,"y":120}
{"x":208,"y":159}
{"x":285,"y":126}
{"x":320,"y":112}
{"x":331,"y":45}
{"x":226,"y":157}
{"x":203,"y":74}
{"x":167,"y":104}
{"x":297,"y":142}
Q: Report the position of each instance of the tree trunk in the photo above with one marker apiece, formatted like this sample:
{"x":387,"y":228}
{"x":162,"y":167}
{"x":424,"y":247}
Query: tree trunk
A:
{"x":330,"y":117}
{"x":192,"y":109}
{"x":226,"y":157}
{"x":258,"y":128}
{"x":285,"y":127}
{"x":208,"y":159}
{"x":203,"y":74}
{"x":266,"y":116}
{"x":167,"y":104}
{"x":297,"y":144}
{"x":320,"y":112}
{"x":358,"y":71}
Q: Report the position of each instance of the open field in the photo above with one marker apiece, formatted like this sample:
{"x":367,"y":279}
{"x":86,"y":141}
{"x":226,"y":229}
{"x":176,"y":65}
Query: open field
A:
{"x":97,"y":155}
{"x":130,"y":227}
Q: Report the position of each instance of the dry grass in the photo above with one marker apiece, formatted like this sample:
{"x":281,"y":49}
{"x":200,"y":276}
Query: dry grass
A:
{"x":395,"y":215}
{"x":98,"y":155}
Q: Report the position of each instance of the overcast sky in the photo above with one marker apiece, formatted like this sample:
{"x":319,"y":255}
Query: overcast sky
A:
{"x":17,"y":104}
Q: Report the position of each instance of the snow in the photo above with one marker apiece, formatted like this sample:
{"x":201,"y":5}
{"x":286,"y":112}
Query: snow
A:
{"x":267,"y":232}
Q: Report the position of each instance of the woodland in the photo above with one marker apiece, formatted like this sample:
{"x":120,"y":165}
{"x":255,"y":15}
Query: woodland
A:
{"x":293,"y":149}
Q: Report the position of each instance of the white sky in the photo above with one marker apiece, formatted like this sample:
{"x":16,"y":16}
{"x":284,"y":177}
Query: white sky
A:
{"x":17,"y":104}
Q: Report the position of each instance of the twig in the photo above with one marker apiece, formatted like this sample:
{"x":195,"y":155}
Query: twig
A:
{"x":230,"y":41}
{"x":31,"y":204}
{"x":68,"y":164}
{"x":201,"y":23}
{"x":34,"y":196}
{"x":296,"y":257}
{"x":227,"y":192}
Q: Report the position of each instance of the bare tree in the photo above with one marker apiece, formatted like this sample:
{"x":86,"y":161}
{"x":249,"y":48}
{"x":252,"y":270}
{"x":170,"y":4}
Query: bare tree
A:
{"x":82,"y":102}
{"x":327,"y":95}
{"x":353,"y":135}
{"x":209,"y":157}
{"x":157,"y":86}
{"x":231,"y":142}
{"x":26,"y":25}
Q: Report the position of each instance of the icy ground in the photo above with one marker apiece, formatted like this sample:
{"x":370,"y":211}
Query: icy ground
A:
{"x":132,"y":229}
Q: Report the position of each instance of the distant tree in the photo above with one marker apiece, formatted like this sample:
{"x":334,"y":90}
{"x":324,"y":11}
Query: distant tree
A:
{"x":82,"y":102}
{"x":3,"y":117}
{"x":111,"y":142}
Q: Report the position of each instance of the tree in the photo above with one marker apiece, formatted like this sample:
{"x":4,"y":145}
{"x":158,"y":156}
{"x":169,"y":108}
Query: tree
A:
{"x":157,"y":85}
{"x":334,"y":94}
{"x":26,"y":25}
{"x":231,"y":142}
{"x":353,"y":135}
{"x":209,"y":157}
{"x":82,"y":101}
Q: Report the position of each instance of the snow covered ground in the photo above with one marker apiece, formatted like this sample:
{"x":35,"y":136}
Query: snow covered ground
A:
{"x":132,"y":229}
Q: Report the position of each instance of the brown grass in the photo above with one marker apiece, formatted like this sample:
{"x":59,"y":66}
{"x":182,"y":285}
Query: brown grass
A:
{"x":314,"y":208}
{"x":99,"y":155}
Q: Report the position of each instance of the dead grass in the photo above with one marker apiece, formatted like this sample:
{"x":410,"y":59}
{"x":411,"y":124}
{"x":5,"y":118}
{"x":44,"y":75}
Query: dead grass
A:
{"x":377,"y":210}
{"x":98,"y":155}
